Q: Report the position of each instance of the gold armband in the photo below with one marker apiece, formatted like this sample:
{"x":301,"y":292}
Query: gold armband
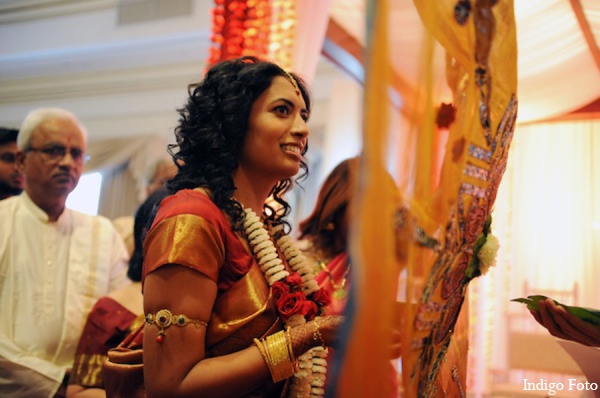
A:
{"x":165,"y":318}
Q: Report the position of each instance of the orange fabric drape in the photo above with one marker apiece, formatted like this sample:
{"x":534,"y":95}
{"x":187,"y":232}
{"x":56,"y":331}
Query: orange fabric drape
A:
{"x":366,"y":369}
{"x":482,"y":73}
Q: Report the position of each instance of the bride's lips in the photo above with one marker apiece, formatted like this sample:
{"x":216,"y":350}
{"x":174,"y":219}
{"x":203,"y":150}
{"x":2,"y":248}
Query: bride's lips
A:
{"x":293,"y":149}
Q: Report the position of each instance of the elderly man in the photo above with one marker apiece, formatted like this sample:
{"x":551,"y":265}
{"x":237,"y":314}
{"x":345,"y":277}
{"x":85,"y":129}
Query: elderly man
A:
{"x":11,"y":178}
{"x":54,"y":262}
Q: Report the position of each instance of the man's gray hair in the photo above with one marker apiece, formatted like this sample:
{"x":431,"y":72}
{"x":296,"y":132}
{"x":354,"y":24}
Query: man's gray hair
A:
{"x":38,"y":116}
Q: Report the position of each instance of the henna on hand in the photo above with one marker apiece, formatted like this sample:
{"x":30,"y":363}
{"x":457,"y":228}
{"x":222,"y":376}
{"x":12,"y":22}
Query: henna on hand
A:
{"x":303,"y":337}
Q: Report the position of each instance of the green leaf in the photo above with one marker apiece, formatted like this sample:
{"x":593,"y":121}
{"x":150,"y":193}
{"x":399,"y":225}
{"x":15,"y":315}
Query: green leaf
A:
{"x":533,"y":302}
{"x":473,"y":270}
{"x":585,"y":314}
{"x":487,"y":227}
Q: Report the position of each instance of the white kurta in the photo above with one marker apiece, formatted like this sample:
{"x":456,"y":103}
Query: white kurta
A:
{"x":51,"y":275}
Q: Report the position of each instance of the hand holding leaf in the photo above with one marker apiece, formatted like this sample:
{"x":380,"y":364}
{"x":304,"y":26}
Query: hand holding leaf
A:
{"x":578,"y":324}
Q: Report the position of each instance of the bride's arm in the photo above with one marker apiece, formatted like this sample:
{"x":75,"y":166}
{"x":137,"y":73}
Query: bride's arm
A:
{"x":177,"y":367}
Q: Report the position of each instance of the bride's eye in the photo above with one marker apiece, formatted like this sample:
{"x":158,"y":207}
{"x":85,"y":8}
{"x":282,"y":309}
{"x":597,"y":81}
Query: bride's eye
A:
{"x":283,"y":109}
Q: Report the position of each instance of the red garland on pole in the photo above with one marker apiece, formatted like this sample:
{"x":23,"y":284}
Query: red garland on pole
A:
{"x":240,"y":27}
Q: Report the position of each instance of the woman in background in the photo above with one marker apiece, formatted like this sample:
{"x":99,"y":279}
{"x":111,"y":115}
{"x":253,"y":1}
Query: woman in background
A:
{"x":324,"y":234}
{"x":324,"y":241}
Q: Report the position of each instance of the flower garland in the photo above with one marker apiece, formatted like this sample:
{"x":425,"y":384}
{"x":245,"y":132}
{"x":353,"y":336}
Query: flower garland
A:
{"x":239,"y":27}
{"x":297,"y":296}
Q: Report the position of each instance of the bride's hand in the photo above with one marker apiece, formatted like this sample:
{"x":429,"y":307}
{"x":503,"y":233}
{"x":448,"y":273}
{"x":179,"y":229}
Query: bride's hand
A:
{"x":329,"y":327}
{"x":318,"y":332}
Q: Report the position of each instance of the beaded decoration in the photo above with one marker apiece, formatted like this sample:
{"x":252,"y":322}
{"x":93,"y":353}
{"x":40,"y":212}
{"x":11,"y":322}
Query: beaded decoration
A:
{"x":293,"y":81}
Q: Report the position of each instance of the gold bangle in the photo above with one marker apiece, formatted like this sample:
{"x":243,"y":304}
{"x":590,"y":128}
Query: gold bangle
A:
{"x":278,"y":350}
{"x":317,"y":336}
{"x":288,"y":338}
{"x":261,"y":348}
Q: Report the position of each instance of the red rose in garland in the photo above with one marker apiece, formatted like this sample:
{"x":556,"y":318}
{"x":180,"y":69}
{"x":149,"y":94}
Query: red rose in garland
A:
{"x":294,"y":280}
{"x":322,"y":297}
{"x":280,"y":289}
{"x":309,"y":309}
{"x":290,"y":304}
{"x":297,"y":295}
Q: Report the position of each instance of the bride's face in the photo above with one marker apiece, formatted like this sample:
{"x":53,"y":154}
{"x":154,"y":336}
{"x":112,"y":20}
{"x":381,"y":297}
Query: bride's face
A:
{"x":277,"y":133}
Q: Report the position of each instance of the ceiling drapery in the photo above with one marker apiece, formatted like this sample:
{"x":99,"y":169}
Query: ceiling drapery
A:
{"x":557,"y":69}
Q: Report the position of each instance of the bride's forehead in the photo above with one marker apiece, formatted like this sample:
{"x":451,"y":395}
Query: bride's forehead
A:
{"x":281,"y":86}
{"x":282,"y":83}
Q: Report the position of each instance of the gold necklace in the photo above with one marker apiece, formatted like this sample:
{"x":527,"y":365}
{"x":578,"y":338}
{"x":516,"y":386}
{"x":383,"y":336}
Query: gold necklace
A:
{"x":339,"y":289}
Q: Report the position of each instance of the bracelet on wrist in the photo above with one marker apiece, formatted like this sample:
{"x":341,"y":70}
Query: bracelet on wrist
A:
{"x":317,"y":336}
{"x":276,"y":350}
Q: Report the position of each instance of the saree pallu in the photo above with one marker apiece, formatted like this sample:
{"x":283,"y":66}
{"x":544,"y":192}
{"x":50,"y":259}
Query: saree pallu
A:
{"x":107,"y":325}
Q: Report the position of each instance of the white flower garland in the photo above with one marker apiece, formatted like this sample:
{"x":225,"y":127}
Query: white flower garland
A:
{"x":309,"y":381}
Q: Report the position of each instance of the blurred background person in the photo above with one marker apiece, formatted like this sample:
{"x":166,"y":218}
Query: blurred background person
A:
{"x":114,"y":316}
{"x":159,"y":173}
{"x":324,"y":233}
{"x":11,"y":178}
{"x":324,"y":238}
{"x":55,"y":263}
{"x":324,"y":241}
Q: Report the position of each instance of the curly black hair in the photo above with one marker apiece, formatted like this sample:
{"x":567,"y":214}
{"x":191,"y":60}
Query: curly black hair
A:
{"x":212,"y":130}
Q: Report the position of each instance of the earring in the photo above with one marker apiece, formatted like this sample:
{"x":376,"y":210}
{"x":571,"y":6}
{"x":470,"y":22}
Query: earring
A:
{"x":329,"y":226}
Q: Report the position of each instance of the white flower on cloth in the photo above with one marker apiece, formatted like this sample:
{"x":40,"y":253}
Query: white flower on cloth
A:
{"x":487,"y":254}
{"x":485,"y":250}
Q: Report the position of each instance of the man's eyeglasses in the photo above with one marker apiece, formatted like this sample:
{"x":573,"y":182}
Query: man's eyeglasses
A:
{"x":57,"y":153}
